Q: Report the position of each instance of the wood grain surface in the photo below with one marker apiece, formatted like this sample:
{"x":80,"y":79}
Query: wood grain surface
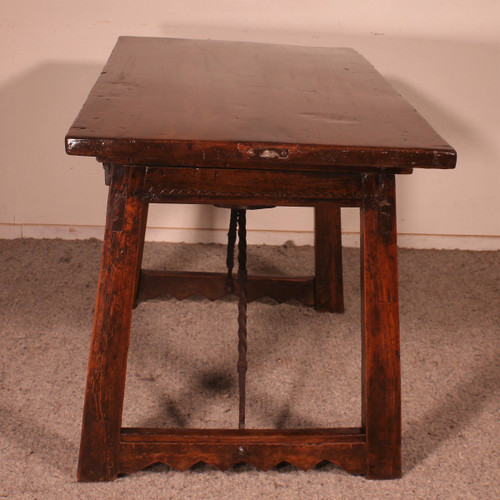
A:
{"x":120,"y":265}
{"x":381,"y":379}
{"x":222,"y":448}
{"x":197,"y":102}
{"x":248,"y":125}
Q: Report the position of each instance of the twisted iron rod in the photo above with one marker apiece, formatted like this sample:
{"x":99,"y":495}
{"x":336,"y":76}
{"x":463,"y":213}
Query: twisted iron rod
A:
{"x":242,"y":314}
{"x":231,"y":240}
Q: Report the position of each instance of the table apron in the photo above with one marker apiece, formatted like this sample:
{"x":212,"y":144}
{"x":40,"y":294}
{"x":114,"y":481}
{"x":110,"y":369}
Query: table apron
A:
{"x":250,"y":187}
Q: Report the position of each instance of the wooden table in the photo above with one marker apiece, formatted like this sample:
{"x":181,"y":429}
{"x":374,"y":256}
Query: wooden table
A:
{"x":231,"y":123}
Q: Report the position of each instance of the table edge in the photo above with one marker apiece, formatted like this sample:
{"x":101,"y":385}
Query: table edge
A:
{"x":225,"y":153}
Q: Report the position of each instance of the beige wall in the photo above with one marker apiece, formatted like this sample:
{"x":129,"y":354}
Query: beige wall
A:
{"x":442,"y":56}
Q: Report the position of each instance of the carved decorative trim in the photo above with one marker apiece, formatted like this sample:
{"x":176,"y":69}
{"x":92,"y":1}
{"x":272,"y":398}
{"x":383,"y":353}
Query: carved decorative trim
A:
{"x":223,"y":448}
{"x":214,"y":185}
{"x":241,"y":194}
{"x":182,"y":463}
{"x":213,"y":286}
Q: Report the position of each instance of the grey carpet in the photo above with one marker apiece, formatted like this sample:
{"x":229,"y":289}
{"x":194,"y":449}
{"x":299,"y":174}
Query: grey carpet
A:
{"x":304,"y":371}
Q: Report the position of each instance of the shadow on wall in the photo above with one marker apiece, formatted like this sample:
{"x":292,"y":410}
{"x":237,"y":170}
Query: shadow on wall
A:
{"x":465,"y":72}
{"x":471,"y":147}
{"x":40,"y":184}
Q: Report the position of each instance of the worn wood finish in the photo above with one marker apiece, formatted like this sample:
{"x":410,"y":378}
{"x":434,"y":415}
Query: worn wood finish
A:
{"x":142,"y":234}
{"x":213,"y":286}
{"x":99,"y":448}
{"x":264,"y":449}
{"x":248,"y":125}
{"x":380,"y":327}
{"x":328,"y":281}
{"x":249,"y":187}
{"x":215,"y":103}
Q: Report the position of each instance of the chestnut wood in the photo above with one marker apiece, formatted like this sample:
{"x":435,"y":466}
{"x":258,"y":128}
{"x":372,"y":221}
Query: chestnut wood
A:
{"x":222,"y":448}
{"x":328,"y":281}
{"x":99,"y":448}
{"x":380,"y":328}
{"x":248,"y":125}
{"x":217,"y":103}
{"x":213,"y":286}
{"x":142,"y":234}
{"x":250,"y":187}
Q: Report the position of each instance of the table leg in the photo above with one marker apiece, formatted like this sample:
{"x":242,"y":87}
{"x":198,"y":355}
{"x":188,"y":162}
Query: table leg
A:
{"x":328,"y":284}
{"x":380,"y":327}
{"x":99,"y":448}
{"x":142,"y":235}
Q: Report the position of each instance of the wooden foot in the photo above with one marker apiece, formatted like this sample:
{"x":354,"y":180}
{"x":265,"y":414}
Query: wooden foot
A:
{"x":380,"y":328}
{"x":329,"y":294}
{"x":125,"y":221}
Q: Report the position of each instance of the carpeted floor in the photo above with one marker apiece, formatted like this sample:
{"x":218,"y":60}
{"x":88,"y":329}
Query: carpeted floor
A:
{"x":304,"y":371}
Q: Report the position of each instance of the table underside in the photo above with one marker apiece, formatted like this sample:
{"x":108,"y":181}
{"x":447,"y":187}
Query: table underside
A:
{"x":373,"y":449}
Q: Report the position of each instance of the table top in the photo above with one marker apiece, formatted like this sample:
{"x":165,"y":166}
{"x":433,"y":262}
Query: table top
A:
{"x":236,"y":104}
